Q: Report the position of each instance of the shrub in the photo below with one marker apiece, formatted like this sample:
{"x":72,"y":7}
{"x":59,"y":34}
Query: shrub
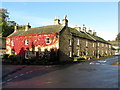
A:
{"x":11,"y":56}
{"x":80,"y":58}
{"x":5,"y":56}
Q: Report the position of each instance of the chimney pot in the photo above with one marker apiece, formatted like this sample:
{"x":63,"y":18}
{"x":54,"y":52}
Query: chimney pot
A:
{"x":27,"y":27}
{"x":65,"y":21}
{"x":78,"y":28}
{"x":56,"y":21}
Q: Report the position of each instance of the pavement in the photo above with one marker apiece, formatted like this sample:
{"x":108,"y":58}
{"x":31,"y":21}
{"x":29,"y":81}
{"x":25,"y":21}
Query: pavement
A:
{"x":9,"y":69}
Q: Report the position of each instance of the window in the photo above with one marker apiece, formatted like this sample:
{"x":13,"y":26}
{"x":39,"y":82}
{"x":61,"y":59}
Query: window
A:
{"x":106,"y":51}
{"x":78,"y":53}
{"x":86,"y":51}
{"x":86,"y":43}
{"x":109,"y":46}
{"x":98,"y":51}
{"x":102,"y":44}
{"x":70,"y":54}
{"x":47,"y":40}
{"x":93,"y":44}
{"x":26,"y":42}
{"x":70,"y":42}
{"x":78,"y":42}
{"x":98,"y":44}
{"x":12,"y":42}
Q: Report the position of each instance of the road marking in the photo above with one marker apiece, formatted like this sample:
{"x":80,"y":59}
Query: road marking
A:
{"x":91,"y":63}
{"x":103,"y":64}
{"x":97,"y":63}
{"x":102,"y":61}
{"x":15,"y":76}
{"x":9,"y":79}
{"x":21,"y":74}
{"x":27,"y":72}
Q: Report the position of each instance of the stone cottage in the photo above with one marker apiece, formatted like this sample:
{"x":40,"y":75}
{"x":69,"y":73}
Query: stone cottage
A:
{"x":65,"y":42}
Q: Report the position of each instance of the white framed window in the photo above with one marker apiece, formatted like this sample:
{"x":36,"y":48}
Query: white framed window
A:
{"x":102,"y":44}
{"x":109,"y":46}
{"x":93,"y":44}
{"x":78,"y":52}
{"x":86,"y":51}
{"x":106,"y":51}
{"x":26,"y":42}
{"x":48,"y":40}
{"x":78,"y":42}
{"x":70,"y":54}
{"x":12,"y":42}
{"x":98,"y":44}
{"x":98,"y":51}
{"x":70,"y":42}
{"x":86,"y":43}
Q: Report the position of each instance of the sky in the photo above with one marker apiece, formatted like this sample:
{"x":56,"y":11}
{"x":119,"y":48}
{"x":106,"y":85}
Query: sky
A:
{"x":101,"y":17}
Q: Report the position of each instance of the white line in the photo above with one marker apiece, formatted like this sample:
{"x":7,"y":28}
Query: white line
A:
{"x":91,"y":63}
{"x":9,"y":79}
{"x":15,"y":76}
{"x":21,"y":74}
{"x":27,"y":72}
{"x":97,"y":63}
{"x":30,"y":71}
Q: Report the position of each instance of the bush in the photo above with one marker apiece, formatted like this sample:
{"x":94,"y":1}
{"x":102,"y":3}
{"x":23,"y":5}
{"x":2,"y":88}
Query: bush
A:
{"x":11,"y":56}
{"x":5,"y":56}
{"x":80,"y":58}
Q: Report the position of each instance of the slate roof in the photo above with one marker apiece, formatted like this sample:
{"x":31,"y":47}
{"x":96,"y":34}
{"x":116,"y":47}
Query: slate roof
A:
{"x":39,"y":30}
{"x":58,"y":28}
{"x":81,"y":34}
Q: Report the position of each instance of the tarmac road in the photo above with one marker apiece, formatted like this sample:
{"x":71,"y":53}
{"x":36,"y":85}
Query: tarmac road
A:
{"x":90,"y":74}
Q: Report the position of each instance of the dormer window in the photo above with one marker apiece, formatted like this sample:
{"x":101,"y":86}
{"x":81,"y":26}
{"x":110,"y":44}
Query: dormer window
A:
{"x":47,"y":40}
{"x":26,"y":42}
{"x":12,"y":42}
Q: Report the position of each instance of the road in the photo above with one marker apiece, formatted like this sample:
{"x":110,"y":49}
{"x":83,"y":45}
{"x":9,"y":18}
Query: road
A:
{"x":90,"y":74}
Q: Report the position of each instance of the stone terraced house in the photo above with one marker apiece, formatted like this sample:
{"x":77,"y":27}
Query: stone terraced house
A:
{"x":65,"y":42}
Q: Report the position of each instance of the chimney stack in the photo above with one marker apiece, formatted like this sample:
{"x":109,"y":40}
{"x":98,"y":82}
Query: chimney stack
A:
{"x":90,"y":31}
{"x":84,"y":28}
{"x":65,"y":21}
{"x":78,"y":28}
{"x":27,"y":27}
{"x":56,"y":21}
{"x":94,"y":33}
{"x":15,"y":27}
